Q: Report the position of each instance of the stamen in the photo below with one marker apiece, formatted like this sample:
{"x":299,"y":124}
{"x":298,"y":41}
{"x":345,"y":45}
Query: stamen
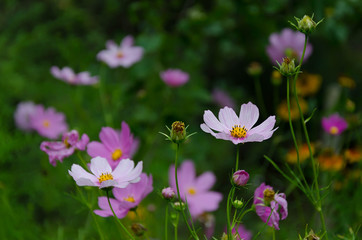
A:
{"x":46,"y":123}
{"x":117,"y":154}
{"x":333,"y":130}
{"x":104,"y":177}
{"x":238,"y":132}
{"x":67,"y":145}
{"x":120,"y":54}
{"x":268,"y":195}
{"x":129,"y":199}
{"x":191,"y":191}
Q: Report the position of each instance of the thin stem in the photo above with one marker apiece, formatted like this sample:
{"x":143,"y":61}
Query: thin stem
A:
{"x":115,"y":216}
{"x":166,"y":222}
{"x":273,"y":233}
{"x":228,"y":212}
{"x":192,"y":231}
{"x":237,"y":158}
{"x":176,"y":225}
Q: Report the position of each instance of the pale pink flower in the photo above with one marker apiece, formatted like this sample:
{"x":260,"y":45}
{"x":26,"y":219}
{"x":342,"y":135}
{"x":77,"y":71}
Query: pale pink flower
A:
{"x":67,"y":75}
{"x":22,"y":115}
{"x":195,"y":189}
{"x":125,"y":198}
{"x":103,"y":176}
{"x":174,"y":77}
{"x":48,"y":122}
{"x":62,"y":149}
{"x":115,"y":145}
{"x":238,"y":129}
{"x":124,"y":55}
{"x":267,"y":204}
{"x":334,"y":124}
{"x":287,"y":44}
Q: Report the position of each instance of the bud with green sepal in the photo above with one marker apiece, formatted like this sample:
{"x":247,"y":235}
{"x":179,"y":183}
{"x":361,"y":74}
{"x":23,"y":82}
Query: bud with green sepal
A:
{"x":177,"y":132}
{"x":287,"y":68}
{"x":306,"y":25}
{"x":238,"y":204}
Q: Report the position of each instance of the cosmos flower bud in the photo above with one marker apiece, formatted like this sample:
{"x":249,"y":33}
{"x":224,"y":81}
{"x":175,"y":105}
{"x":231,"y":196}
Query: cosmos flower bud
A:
{"x":287,"y":68}
{"x":179,"y":206}
{"x":254,"y":69}
{"x":240,"y":178}
{"x":178,"y":132}
{"x":168,"y":193}
{"x":138,"y":229}
{"x":306,"y":25}
{"x":238,"y":204}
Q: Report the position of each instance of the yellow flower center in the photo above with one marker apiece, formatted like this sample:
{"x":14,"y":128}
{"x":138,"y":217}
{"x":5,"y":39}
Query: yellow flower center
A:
{"x":46,"y":123}
{"x":120,"y":54}
{"x":238,"y":132}
{"x":66,"y":143}
{"x":191,"y":191}
{"x":333,"y":130}
{"x":129,"y":199}
{"x":104,"y":177}
{"x":268,"y":195}
{"x":117,"y":154}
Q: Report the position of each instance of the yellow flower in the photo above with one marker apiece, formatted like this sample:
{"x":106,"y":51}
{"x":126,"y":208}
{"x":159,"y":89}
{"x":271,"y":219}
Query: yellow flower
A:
{"x":346,"y":82}
{"x":308,"y":84}
{"x":329,"y":161}
{"x":282,"y":110}
{"x":353,"y":155}
{"x":291,"y":156}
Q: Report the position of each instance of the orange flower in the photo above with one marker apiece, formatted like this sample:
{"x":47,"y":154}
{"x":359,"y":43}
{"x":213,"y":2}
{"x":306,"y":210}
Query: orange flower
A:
{"x":353,"y":155}
{"x":308,"y":84}
{"x":291,"y":156}
{"x":282,"y":110}
{"x":346,"y":82}
{"x":329,"y":161}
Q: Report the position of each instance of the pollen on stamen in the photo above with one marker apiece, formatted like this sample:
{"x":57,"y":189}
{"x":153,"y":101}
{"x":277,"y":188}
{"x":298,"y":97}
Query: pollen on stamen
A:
{"x":46,"y":123}
{"x":238,"y":132}
{"x":120,"y":54}
{"x":129,"y":199}
{"x":191,"y":191}
{"x":334,"y":130}
{"x":104,"y":177}
{"x":117,"y":154}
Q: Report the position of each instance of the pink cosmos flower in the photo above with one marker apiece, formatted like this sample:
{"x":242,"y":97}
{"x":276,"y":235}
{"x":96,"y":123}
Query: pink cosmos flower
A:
{"x":241,"y":177}
{"x":242,"y":234}
{"x":222,"y":98}
{"x":267,"y":204}
{"x":238,"y":129}
{"x":125,"y":198}
{"x":114,"y":146}
{"x":196,"y":189}
{"x":287,"y":44}
{"x":124,"y":55}
{"x":22,"y":115}
{"x":174,"y":77}
{"x":62,"y":149}
{"x":48,"y":122}
{"x":334,"y":124}
{"x":67,"y":75}
{"x":103,"y":176}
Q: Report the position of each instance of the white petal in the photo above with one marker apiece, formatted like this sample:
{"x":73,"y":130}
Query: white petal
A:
{"x":249,"y":114}
{"x":99,"y":166}
{"x":228,"y":117}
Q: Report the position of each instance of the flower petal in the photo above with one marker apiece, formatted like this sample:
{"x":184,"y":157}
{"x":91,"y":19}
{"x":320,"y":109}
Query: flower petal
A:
{"x":228,"y":117}
{"x":205,"y":181}
{"x":100,"y":166}
{"x":249,"y":114}
{"x":212,"y":122}
{"x":82,"y":177}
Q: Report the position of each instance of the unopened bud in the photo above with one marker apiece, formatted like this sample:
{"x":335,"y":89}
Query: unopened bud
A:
{"x":168,"y":193}
{"x":240,"y":178}
{"x":178,"y":132}
{"x":287,"y":68}
{"x":138,"y":229}
{"x":306,"y":25}
{"x":179,"y":206}
{"x":238,"y":204}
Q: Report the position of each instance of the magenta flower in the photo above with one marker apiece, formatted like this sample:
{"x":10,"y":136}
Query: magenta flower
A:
{"x":22,"y":115}
{"x":103,"y":176}
{"x":67,"y":75}
{"x":241,"y":234}
{"x":334,"y":124}
{"x":267,"y":204}
{"x":48,"y":122}
{"x":125,"y":198}
{"x":174,"y":77}
{"x":222,"y":98}
{"x":114,"y":146}
{"x":124,"y":55}
{"x":196,"y":189}
{"x":62,"y":149}
{"x":287,"y":44}
{"x":238,"y":129}
{"x":241,"y":177}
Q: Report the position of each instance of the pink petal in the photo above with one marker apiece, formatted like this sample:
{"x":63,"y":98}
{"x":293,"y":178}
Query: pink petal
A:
{"x":95,"y":149}
{"x":205,"y":181}
{"x":109,"y":137}
{"x":212,"y":122}
{"x":249,"y":114}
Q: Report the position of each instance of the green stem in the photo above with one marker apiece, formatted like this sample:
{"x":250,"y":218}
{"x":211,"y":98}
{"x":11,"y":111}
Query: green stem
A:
{"x":192,"y":231}
{"x":115,"y":216}
{"x":228,"y":212}
{"x":317,"y":203}
{"x":176,"y":225}
{"x":273,"y":233}
{"x":166,"y":222}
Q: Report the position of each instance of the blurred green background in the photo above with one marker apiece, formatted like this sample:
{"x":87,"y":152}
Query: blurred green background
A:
{"x":214,"y":41}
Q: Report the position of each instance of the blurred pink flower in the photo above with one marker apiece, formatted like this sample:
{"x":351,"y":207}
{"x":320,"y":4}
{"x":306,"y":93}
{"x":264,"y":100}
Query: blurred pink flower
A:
{"x":168,"y":193}
{"x":222,"y":98}
{"x":334,"y":124}
{"x":114,"y":146}
{"x":102,"y":175}
{"x":241,"y":177}
{"x":48,"y":122}
{"x":125,"y":198}
{"x":238,"y":129}
{"x":267,"y":204}
{"x":196,"y":189}
{"x":62,"y":149}
{"x":67,"y":75}
{"x":287,"y":44}
{"x":124,"y":55}
{"x":22,"y":115}
{"x":174,"y":77}
{"x":242,"y":234}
